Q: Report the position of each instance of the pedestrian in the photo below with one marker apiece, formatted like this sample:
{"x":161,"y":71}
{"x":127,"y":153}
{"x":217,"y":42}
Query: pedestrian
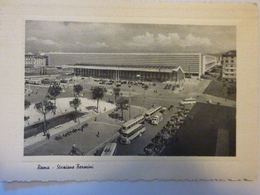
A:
{"x":48,"y":135}
{"x":98,"y":134}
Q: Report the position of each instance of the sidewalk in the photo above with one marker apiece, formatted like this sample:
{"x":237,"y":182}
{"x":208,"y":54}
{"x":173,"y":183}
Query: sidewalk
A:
{"x":64,"y":107}
{"x":56,"y":130}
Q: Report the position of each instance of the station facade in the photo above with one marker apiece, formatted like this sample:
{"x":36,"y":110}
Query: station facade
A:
{"x":149,"y":67}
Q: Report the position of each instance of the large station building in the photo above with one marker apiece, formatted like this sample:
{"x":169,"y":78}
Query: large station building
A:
{"x":148,"y":66}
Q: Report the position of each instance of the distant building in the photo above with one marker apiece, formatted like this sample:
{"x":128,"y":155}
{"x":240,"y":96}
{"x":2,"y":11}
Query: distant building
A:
{"x":145,"y":66}
{"x":36,"y":60}
{"x":229,"y":66}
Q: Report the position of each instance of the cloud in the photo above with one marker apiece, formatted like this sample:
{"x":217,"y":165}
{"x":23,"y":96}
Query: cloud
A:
{"x":48,"y":42}
{"x":169,"y":40}
{"x":41,"y":41}
{"x":148,"y":38}
{"x":188,"y":41}
{"x":191,"y":40}
{"x":32,"y":38}
{"x":99,"y":45}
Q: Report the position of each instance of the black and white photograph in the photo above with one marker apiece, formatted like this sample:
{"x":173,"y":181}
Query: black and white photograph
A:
{"x":129,"y":89}
{"x":109,"y":91}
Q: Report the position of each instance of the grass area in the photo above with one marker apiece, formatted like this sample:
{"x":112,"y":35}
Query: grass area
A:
{"x":215,"y":88}
{"x":198,"y":137}
{"x":37,"y":128}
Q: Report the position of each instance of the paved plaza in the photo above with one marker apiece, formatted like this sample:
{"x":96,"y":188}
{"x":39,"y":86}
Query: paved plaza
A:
{"x":103,"y":129}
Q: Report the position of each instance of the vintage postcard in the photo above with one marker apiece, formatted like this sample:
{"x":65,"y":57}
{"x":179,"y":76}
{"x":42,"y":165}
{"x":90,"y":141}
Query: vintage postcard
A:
{"x":129,"y":91}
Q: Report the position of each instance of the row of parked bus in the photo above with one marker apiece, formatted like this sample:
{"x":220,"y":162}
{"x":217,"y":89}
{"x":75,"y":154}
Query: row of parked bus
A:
{"x":135,"y":127}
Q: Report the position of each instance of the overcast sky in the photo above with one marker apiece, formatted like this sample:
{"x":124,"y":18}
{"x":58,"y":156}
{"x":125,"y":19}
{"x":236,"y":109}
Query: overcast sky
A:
{"x":46,"y":36}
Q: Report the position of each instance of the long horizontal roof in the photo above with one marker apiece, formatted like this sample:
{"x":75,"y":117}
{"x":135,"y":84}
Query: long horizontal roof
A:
{"x":145,"y":68}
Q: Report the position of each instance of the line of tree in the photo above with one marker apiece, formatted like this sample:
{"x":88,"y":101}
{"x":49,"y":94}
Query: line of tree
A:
{"x":46,"y":106}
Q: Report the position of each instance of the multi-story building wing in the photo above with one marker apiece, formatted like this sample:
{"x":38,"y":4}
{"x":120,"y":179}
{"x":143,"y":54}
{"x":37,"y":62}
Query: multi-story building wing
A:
{"x":29,"y":60}
{"x":229,"y":66}
{"x":35,"y":60}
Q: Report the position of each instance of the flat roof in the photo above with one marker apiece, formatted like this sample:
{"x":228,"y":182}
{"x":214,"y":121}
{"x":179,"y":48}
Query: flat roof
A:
{"x":142,"y":68}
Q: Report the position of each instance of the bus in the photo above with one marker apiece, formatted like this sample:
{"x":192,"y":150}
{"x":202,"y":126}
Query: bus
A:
{"x":132,"y":122}
{"x":109,"y":150}
{"x":157,"y":118}
{"x":128,"y":135}
{"x":151,"y":112}
{"x":188,"y":102}
{"x":189,"y":99}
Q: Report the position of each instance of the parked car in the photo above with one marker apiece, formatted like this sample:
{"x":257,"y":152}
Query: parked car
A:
{"x":159,"y":148}
{"x":149,"y":148}
{"x":110,"y":101}
{"x":156,"y":139}
{"x":170,"y":107}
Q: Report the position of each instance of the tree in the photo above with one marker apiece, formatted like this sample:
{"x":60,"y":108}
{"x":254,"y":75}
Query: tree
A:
{"x":77,"y":89}
{"x":97,"y":94}
{"x":116,"y":92}
{"x":54,"y":91}
{"x":44,"y":108}
{"x":27,"y":104}
{"x":75,"y":103}
{"x":122,"y":103}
